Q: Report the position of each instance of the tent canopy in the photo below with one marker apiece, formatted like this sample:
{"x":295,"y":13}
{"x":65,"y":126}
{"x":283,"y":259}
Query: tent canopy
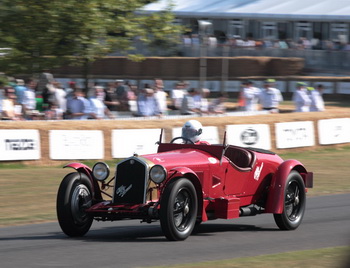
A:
{"x":319,"y":10}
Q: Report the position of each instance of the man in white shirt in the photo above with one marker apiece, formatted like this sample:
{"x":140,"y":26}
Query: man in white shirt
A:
{"x":301,"y":98}
{"x":189,"y":105}
{"x":317,"y":103}
{"x":250,"y":96}
{"x":98,"y":109}
{"x":270,"y":97}
{"x":29,"y":99}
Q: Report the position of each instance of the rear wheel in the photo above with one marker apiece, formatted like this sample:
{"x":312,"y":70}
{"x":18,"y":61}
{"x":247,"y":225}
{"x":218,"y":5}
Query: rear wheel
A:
{"x":178,"y":209}
{"x":294,"y":203}
{"x":73,"y":198}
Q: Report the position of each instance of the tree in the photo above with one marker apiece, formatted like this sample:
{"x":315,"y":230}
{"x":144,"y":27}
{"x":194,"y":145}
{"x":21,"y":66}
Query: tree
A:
{"x":44,"y":34}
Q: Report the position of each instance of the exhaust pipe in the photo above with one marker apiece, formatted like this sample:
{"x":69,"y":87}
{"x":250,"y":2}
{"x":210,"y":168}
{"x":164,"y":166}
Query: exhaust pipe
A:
{"x":249,"y":211}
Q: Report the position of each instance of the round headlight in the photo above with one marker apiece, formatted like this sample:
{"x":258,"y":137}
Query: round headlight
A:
{"x":157,"y":174}
{"x":100,"y":171}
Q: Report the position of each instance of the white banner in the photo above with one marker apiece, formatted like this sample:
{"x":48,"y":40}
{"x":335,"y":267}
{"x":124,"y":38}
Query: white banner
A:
{"x":333,"y":131}
{"x":21,"y":144}
{"x":76,"y":144}
{"x":126,"y":142}
{"x":257,"y":136}
{"x":294,"y":134}
{"x":209,"y":134}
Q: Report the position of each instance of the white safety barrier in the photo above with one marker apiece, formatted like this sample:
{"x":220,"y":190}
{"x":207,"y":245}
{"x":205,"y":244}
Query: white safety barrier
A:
{"x":76,"y":144}
{"x":24,"y":144}
{"x":294,"y":134}
{"x":254,"y":135}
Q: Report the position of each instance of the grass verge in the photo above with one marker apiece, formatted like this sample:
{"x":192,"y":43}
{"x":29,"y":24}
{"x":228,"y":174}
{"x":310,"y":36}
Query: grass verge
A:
{"x":337,"y":257}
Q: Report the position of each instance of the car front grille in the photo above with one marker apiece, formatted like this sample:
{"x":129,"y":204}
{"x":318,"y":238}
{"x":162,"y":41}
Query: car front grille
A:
{"x":131,"y":181}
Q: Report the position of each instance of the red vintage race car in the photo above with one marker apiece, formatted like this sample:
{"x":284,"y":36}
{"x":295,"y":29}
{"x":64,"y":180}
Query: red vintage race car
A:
{"x":183,"y":185}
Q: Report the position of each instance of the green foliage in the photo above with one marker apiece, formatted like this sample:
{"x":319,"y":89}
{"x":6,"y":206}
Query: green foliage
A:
{"x":46,"y":34}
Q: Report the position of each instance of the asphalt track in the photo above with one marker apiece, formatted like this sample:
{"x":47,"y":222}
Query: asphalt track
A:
{"x":131,"y":244}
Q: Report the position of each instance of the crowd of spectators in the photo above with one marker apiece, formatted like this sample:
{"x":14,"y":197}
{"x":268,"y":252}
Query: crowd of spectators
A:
{"x":48,"y":99}
{"x":305,"y":98}
{"x":250,"y":43}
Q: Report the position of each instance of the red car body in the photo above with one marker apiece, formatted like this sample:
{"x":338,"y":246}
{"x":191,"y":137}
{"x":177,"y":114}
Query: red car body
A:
{"x":210,"y":181}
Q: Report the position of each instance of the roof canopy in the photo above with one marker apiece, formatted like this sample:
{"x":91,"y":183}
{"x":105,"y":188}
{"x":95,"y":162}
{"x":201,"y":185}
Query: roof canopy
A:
{"x":324,"y":10}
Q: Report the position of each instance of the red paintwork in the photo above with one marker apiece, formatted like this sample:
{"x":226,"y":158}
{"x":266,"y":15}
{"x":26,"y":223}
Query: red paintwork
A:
{"x":275,"y":199}
{"x":80,"y":167}
{"x":222,"y":188}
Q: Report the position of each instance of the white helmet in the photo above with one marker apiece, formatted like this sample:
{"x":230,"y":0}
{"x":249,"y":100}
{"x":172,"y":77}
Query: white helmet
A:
{"x":191,"y":130}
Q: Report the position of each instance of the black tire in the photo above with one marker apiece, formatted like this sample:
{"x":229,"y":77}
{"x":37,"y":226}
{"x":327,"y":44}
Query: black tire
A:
{"x":178,"y":209}
{"x":294,"y":203}
{"x":74,"y":196}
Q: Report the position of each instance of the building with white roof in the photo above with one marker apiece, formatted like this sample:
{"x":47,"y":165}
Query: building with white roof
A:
{"x":274,"y":19}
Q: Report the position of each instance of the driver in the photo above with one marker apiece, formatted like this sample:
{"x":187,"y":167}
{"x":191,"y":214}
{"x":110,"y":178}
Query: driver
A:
{"x":192,"y":130}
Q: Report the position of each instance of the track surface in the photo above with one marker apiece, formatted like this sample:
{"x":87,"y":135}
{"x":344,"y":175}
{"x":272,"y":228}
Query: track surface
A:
{"x":131,"y":244}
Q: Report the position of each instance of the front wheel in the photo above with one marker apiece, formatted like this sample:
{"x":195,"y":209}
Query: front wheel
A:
{"x":178,"y":209}
{"x":294,"y":203}
{"x":73,"y":198}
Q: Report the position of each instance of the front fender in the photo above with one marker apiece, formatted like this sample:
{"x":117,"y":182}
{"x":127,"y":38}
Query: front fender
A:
{"x":192,"y":176}
{"x":82,"y":168}
{"x":275,"y":200}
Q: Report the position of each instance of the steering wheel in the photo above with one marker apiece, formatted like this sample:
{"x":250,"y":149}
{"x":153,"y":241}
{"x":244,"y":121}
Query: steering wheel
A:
{"x":186,"y":140}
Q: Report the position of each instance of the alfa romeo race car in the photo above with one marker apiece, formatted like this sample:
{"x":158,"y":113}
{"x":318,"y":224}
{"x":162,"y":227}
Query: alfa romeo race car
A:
{"x":182,"y":185}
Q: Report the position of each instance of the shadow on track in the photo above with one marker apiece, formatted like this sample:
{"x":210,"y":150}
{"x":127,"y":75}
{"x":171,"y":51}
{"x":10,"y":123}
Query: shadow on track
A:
{"x":154,"y":233}
{"x":139,"y":233}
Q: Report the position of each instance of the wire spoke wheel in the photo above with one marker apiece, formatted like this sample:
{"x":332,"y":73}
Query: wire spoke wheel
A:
{"x":73,"y":198}
{"x":81,"y":200}
{"x":294,"y":203}
{"x":182,"y":209}
{"x":178,"y":210}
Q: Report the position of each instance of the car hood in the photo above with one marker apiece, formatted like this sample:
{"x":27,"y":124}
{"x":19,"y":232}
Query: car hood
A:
{"x":182,"y":158}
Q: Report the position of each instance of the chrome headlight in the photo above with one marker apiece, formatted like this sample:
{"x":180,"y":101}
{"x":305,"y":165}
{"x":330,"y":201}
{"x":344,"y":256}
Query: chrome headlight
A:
{"x":157,"y":174}
{"x":100,"y":171}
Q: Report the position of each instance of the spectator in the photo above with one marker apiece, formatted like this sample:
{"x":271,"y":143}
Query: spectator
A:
{"x":49,"y":95}
{"x":251,"y":96}
{"x":10,"y":109}
{"x":270,"y":97}
{"x":161,"y":97}
{"x":70,"y":89}
{"x":217,"y":106}
{"x":29,"y":99}
{"x":20,"y":89}
{"x":131,"y":89}
{"x":111,"y":98}
{"x":176,"y":95}
{"x":78,"y":107}
{"x":241,"y":100}
{"x":122,"y":95}
{"x":204,"y":104}
{"x":301,"y":99}
{"x":189,"y":106}
{"x":147,"y":104}
{"x":54,"y":112}
{"x":98,"y":109}
{"x":1,"y":94}
{"x":61,"y":98}
{"x":45,"y":87}
{"x":317,"y":103}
